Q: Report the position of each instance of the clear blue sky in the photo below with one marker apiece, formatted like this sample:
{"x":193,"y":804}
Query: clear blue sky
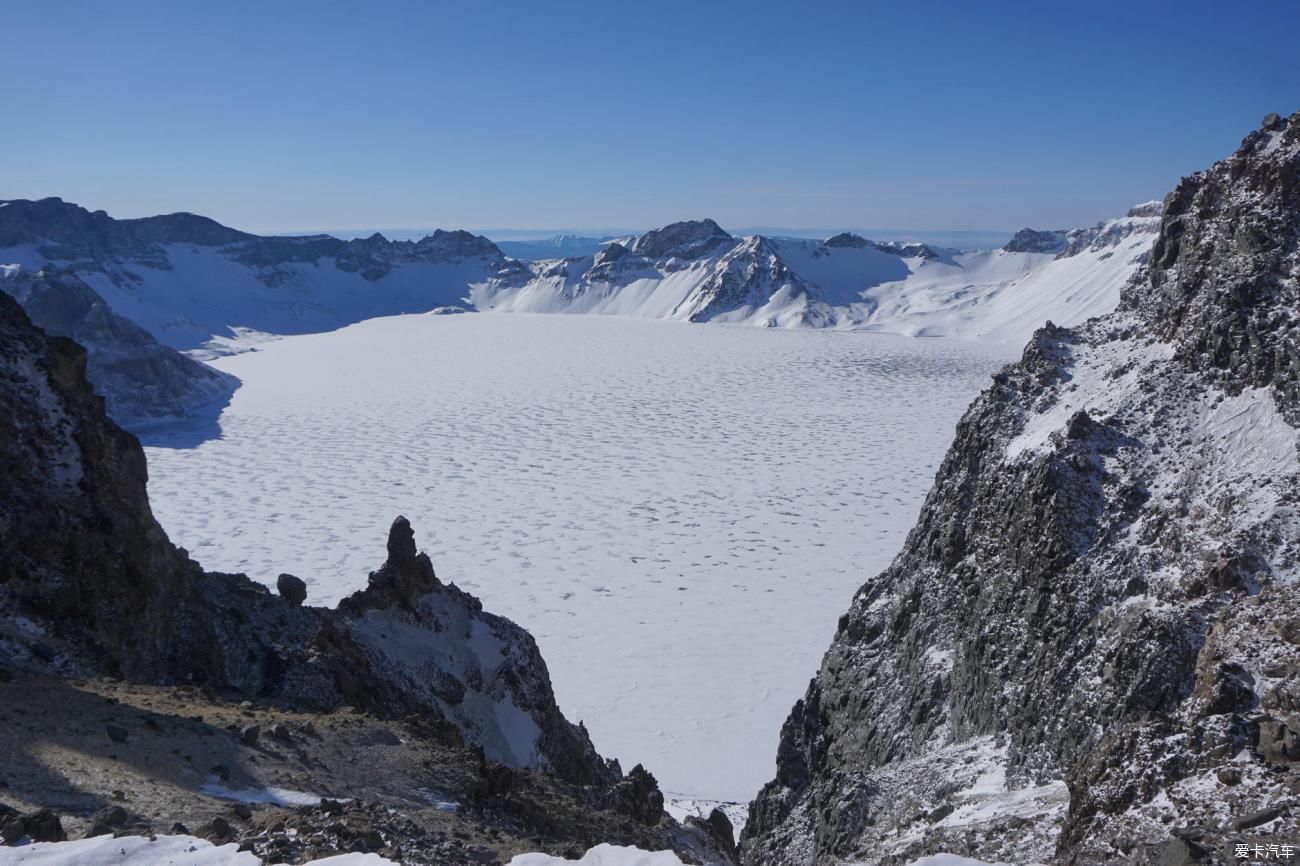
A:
{"x":279,"y":116}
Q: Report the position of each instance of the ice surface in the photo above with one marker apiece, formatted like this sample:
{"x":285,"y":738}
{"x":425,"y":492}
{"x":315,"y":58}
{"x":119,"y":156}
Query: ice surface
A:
{"x":679,"y":514}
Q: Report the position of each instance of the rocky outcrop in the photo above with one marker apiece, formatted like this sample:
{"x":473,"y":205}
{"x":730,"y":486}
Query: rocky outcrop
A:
{"x":1034,"y":241}
{"x":683,"y":240}
{"x":912,"y":250}
{"x":142,"y":381}
{"x":91,"y":586}
{"x":847,"y":240}
{"x":1082,"y":654}
{"x":1108,"y":234}
{"x":748,"y":277}
{"x":81,"y":547}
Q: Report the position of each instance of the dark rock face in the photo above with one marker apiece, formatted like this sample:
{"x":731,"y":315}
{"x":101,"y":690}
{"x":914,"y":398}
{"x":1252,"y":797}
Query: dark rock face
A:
{"x":638,"y":795}
{"x":40,"y":826}
{"x":912,"y":250}
{"x":1034,"y":241}
{"x":142,"y":381}
{"x":81,"y":546}
{"x":1092,"y":617}
{"x":847,"y":240}
{"x":684,"y":240}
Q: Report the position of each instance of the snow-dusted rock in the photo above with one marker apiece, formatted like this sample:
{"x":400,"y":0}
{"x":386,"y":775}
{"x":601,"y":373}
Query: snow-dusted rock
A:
{"x":697,"y":272}
{"x":142,"y":381}
{"x":1084,"y":652}
{"x":194,"y":283}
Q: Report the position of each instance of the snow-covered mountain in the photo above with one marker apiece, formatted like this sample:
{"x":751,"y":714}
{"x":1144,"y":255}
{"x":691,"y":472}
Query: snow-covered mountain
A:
{"x":142,"y":381}
{"x":1086,"y":652}
{"x":695,"y":271}
{"x":193,"y":282}
{"x":197,"y":285}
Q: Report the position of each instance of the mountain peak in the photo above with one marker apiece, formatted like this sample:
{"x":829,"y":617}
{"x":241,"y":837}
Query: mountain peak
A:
{"x":689,"y":239}
{"x":1029,"y":240}
{"x":848,"y":240}
{"x":1222,"y":283}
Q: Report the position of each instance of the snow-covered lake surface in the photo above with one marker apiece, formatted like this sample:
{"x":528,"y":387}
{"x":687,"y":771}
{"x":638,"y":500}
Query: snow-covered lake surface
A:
{"x":678,"y":513}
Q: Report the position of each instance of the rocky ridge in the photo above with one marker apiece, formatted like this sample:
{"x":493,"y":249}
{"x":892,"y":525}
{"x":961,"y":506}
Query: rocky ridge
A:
{"x":79,"y":239}
{"x":90,"y":587}
{"x":694,"y":271}
{"x":1087,"y":650}
{"x":197,"y":285}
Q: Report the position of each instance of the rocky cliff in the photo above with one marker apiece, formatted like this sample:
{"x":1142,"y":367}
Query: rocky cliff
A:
{"x":1088,"y":649}
{"x":91,"y":587}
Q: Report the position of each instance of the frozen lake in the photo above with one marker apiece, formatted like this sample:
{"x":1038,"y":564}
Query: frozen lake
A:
{"x":678,"y":513}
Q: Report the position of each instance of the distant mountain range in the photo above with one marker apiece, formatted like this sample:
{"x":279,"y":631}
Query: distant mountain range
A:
{"x":200,"y":287}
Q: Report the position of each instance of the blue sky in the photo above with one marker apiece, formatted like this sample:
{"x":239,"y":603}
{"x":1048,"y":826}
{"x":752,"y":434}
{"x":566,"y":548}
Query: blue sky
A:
{"x":280,"y":116}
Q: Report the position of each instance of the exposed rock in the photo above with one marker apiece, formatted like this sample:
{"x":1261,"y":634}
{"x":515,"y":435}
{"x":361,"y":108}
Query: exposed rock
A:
{"x":1094,"y":603}
{"x":1259,"y":819}
{"x":717,"y":826}
{"x":847,"y":240}
{"x":85,"y":564}
{"x":42,"y":825}
{"x":1033,"y":241}
{"x":292,"y":589}
{"x":683,"y":240}
{"x":638,"y":795}
{"x":218,"y":831}
{"x":906,"y":250}
{"x":142,"y":381}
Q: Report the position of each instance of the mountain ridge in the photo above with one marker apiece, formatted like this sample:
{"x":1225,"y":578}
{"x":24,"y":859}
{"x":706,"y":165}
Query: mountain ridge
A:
{"x":1085,"y":652}
{"x":201,"y":287}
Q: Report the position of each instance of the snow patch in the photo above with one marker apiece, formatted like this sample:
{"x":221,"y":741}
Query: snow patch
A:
{"x":602,"y":855}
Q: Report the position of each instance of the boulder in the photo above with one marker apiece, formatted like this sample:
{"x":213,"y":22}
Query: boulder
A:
{"x":292,"y":589}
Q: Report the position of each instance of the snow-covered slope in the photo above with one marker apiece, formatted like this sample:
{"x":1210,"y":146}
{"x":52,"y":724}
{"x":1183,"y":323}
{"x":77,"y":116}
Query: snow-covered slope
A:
{"x":695,"y":271}
{"x":193,"y":283}
{"x":142,"y":381}
{"x":197,"y":285}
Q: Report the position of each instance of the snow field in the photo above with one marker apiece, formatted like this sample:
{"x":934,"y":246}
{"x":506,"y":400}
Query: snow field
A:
{"x":679,"y":514}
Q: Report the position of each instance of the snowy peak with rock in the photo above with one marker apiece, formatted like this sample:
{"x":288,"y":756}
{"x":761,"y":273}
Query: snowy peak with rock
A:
{"x":194,"y":283}
{"x":1088,"y":650}
{"x":144,"y":382}
{"x":197,"y":285}
{"x":695,"y":271}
